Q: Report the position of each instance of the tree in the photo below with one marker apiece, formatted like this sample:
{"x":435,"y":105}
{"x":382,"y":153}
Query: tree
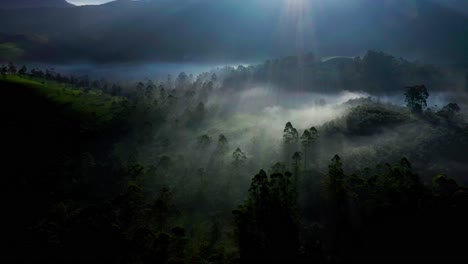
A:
{"x":169,"y":82}
{"x":290,"y":135}
{"x":23,"y":70}
{"x":3,"y":70}
{"x":444,"y":186}
{"x":239,"y":158}
{"x":449,"y":111}
{"x":140,"y":88}
{"x":278,"y":167}
{"x":335,"y":180}
{"x":297,"y":157}
{"x":267,"y":223}
{"x":149,"y":91}
{"x":307,"y":139}
{"x":336,"y":194}
{"x":214,"y":78}
{"x":204,"y":142}
{"x":197,"y":116}
{"x":12,"y":68}
{"x":290,"y":139}
{"x":223,"y":145}
{"x":182,"y":81}
{"x":162,"y":94}
{"x":415,"y":98}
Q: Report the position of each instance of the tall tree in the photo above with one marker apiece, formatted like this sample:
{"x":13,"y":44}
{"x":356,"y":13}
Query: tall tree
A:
{"x":12,"y":68}
{"x":307,"y":139}
{"x":297,"y":157}
{"x":415,"y":98}
{"x":267,"y":223}
{"x":3,"y":70}
{"x":204,"y":142}
{"x":223,"y":145}
{"x":449,"y":111}
{"x":290,"y":139}
{"x":336,"y":195}
{"x":23,"y":70}
{"x":182,"y":81}
{"x":149,"y":91}
{"x":162,"y":95}
{"x":238,"y":157}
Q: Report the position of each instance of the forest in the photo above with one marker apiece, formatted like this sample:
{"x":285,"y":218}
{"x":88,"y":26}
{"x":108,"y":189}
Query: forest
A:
{"x":297,"y":159}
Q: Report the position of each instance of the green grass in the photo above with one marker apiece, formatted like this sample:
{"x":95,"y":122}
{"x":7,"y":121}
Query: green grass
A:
{"x":90,"y":108}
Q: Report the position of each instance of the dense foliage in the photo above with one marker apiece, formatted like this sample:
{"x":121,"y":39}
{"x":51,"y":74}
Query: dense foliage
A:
{"x":159,"y":171}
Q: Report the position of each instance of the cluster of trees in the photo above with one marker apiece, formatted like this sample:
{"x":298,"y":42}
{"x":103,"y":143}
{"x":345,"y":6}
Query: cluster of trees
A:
{"x":161,"y":185}
{"x":372,"y":214}
{"x":376,"y":72}
{"x":9,"y":69}
{"x":293,"y":144}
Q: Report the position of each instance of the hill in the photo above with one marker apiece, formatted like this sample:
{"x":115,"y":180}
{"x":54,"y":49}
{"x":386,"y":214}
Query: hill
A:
{"x":12,"y":4}
{"x":188,"y":30}
{"x":89,"y":109}
{"x":46,"y":128}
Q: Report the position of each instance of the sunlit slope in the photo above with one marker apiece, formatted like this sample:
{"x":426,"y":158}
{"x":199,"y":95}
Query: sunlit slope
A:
{"x":91,"y":110}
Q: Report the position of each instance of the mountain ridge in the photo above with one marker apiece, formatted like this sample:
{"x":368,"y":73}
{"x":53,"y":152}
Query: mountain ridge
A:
{"x":187,"y":30}
{"x":15,"y":4}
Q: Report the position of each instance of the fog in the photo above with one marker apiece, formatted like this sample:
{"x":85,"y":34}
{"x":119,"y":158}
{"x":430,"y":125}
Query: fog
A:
{"x":133,"y":71}
{"x":234,"y":131}
{"x":196,"y":143}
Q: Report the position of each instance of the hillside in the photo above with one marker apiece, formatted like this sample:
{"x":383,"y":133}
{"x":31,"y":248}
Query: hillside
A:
{"x":46,"y":128}
{"x":12,"y":4}
{"x":84,"y":108}
{"x":161,"y":30}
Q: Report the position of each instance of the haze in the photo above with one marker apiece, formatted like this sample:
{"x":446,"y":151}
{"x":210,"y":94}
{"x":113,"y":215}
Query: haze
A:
{"x":232,"y":132}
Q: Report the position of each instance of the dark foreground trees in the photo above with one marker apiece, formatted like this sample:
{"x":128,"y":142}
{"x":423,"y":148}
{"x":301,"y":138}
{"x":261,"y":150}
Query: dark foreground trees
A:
{"x":267,"y":224}
{"x":380,"y":214}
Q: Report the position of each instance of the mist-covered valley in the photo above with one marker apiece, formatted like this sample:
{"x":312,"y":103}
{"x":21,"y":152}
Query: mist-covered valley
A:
{"x":189,"y":131}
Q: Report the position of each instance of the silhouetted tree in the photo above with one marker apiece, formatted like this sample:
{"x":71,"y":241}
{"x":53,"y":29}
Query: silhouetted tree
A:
{"x":278,"y":167}
{"x":223,"y":145}
{"x":214,"y":78}
{"x":3,"y":70}
{"x":449,"y":111}
{"x":336,"y":195}
{"x":204,"y":142}
{"x":23,"y":70}
{"x":238,"y":157}
{"x":182,"y":81}
{"x":12,"y":68}
{"x":297,"y":157}
{"x":444,"y":186}
{"x":162,"y":95}
{"x":267,"y":223}
{"x":307,"y":139}
{"x":169,"y":82}
{"x":149,"y":90}
{"x":415,"y":98}
{"x":290,"y":139}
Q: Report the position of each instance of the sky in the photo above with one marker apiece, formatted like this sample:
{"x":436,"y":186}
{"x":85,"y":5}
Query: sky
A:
{"x":88,"y":2}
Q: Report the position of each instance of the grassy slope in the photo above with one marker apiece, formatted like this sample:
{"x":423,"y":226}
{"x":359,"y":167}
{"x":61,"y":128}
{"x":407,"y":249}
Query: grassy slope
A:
{"x":46,"y":130}
{"x":90,"y":108}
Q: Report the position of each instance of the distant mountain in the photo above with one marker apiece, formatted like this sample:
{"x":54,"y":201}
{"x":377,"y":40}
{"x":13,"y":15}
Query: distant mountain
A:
{"x":12,"y":4}
{"x":233,"y":30}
